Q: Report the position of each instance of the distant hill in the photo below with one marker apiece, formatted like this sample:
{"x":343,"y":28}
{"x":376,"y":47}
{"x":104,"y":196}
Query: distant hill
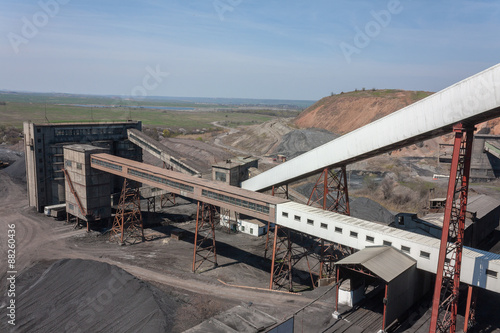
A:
{"x":345,"y":112}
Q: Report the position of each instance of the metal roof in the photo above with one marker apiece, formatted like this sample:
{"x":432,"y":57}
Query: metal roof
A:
{"x":384,"y":261}
{"x":482,"y":205}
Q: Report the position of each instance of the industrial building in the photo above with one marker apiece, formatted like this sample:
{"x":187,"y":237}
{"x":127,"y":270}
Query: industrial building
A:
{"x":402,"y":262}
{"x":235,"y":170}
{"x":87,"y":190}
{"x":43,"y":147}
{"x":482,"y":218}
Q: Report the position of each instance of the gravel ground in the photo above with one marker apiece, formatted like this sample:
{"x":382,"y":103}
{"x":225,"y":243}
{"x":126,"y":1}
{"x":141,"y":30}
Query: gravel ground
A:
{"x":300,"y":141}
{"x":75,"y":295}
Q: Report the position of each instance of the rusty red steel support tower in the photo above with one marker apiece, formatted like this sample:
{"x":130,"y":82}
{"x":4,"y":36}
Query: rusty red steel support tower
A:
{"x":470,"y":311}
{"x":331,"y":193}
{"x":446,"y":289}
{"x":282,"y":192}
{"x":204,"y":238}
{"x":128,"y":219}
{"x":285,"y":255}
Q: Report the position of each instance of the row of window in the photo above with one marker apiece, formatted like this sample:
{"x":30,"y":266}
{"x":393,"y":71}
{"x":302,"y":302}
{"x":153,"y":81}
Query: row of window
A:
{"x":146,"y":144}
{"x":354,"y":234}
{"x":88,"y":131}
{"x":161,"y":180}
{"x":107,"y":164}
{"x":235,"y":201}
{"x":68,"y":164}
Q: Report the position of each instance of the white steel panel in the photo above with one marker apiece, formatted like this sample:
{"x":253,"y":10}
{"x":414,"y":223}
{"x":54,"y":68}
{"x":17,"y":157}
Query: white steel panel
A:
{"x":472,"y":100}
{"x":474,"y":262}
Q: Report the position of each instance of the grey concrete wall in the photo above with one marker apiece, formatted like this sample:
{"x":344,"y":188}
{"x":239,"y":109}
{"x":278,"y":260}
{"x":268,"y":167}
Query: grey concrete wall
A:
{"x":43,"y":148}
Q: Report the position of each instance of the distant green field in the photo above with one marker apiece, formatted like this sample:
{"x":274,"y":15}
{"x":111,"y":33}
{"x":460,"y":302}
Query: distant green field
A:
{"x":43,"y":108}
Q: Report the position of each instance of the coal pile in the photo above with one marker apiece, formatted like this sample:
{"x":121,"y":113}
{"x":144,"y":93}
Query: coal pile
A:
{"x":89,"y":296}
{"x":300,"y":141}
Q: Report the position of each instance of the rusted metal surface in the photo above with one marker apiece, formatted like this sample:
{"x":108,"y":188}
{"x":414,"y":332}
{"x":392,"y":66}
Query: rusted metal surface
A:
{"x":446,"y":289}
{"x":204,"y":238}
{"x":128,"y":224}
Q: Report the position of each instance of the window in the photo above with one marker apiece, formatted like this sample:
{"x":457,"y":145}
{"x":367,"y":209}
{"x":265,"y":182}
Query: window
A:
{"x":296,"y":218}
{"x":220,"y":176}
{"x":71,"y":207}
{"x":79,"y":166}
{"x":339,"y":230}
{"x":401,"y":220}
{"x":387,"y":243}
{"x":405,"y":249}
{"x":284,"y":214}
{"x":425,"y":255}
{"x":324,"y":225}
{"x":491,"y":273}
{"x":67,"y":163}
{"x":310,"y":222}
{"x":251,"y":231}
{"x":353,"y":234}
{"x":370,"y":239}
{"x":242,"y":228}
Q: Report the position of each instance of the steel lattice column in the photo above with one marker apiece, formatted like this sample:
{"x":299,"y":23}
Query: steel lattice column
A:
{"x":166,"y":198}
{"x":204,"y":238}
{"x":286,"y":255}
{"x":470,"y":312}
{"x":330,"y":193}
{"x":282,"y":192}
{"x":128,"y":219}
{"x":445,"y":301}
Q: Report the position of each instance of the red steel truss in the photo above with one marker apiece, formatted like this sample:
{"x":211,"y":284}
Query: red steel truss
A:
{"x":470,"y":312}
{"x":285,"y":257}
{"x":204,"y":238}
{"x":282,"y":192}
{"x":128,"y":219}
{"x":446,"y":289}
{"x":330,"y":192}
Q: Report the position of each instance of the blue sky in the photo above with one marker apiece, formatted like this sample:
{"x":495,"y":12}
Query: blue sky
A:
{"x":243,"y":48}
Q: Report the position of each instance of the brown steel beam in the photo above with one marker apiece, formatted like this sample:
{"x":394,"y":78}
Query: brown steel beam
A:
{"x":446,"y":288}
{"x":470,"y":311}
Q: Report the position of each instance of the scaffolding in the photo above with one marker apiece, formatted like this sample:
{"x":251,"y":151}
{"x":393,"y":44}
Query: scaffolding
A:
{"x":128,"y":224}
{"x":204,"y":239}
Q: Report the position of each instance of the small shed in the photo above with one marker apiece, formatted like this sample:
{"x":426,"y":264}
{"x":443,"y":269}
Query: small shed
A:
{"x":394,"y":269}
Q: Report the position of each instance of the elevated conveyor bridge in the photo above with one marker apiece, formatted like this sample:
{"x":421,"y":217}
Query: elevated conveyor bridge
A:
{"x":479,"y":268}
